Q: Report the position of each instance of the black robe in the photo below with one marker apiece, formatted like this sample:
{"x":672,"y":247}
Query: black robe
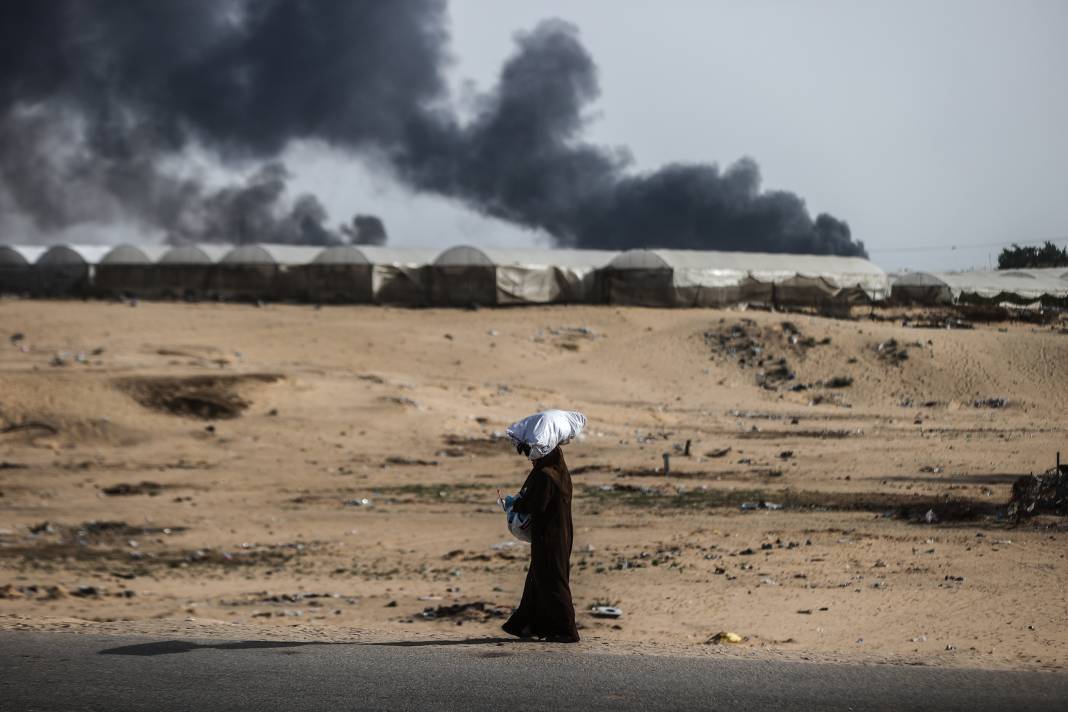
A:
{"x":546,"y":610}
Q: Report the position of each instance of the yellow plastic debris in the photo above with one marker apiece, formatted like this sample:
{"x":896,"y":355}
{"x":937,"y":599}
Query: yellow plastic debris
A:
{"x":725,"y":638}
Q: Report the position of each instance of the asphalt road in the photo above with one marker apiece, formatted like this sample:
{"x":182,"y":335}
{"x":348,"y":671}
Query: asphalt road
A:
{"x":51,"y":671}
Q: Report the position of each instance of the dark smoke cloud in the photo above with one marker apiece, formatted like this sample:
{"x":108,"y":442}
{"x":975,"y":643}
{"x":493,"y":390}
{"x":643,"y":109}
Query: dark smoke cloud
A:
{"x":140,"y":83}
{"x":366,"y":230}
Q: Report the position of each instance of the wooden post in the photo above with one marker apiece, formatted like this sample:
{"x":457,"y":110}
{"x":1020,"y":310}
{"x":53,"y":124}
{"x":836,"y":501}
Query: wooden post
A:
{"x":667,"y":464}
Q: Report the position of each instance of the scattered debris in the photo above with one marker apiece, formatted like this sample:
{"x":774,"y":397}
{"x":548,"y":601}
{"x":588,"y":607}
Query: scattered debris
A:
{"x":724,"y":638}
{"x":838,"y":382}
{"x":935,"y":321}
{"x":124,"y":489}
{"x":891,"y":352}
{"x":990,"y":403}
{"x":749,"y":506}
{"x":718,"y":452}
{"x":406,"y":461}
{"x":400,"y":400}
{"x":476,"y":611}
{"x":1040,"y":494}
{"x":746,"y":344}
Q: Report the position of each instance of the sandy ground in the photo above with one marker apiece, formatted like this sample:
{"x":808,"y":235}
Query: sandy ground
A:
{"x":330,"y":473}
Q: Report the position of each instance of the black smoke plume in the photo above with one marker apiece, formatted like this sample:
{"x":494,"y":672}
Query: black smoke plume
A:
{"x":135,"y":85}
{"x":366,"y":230}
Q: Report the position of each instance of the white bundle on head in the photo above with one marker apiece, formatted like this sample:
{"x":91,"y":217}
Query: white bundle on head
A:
{"x":544,"y":431}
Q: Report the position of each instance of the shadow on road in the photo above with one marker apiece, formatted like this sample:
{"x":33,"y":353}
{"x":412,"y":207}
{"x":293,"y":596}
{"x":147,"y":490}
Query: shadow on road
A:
{"x":432,"y":643}
{"x":171,"y":647}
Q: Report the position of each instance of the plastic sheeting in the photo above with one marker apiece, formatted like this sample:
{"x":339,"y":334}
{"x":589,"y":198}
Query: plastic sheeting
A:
{"x":1015,"y":286}
{"x":692,"y":278}
{"x":466,"y":275}
{"x":544,"y":431}
{"x":518,"y":524}
{"x":67,"y":270}
{"x":17,"y":275}
{"x":129,"y":270}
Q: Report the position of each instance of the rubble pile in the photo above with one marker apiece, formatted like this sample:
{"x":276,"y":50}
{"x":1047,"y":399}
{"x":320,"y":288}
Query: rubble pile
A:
{"x":1040,"y":494}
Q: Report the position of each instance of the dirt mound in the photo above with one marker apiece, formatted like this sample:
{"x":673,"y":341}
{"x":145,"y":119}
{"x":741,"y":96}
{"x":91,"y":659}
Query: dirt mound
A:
{"x":764,"y":348}
{"x":204,"y":397}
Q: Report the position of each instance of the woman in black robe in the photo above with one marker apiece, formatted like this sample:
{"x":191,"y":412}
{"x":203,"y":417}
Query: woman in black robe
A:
{"x":546,"y":610}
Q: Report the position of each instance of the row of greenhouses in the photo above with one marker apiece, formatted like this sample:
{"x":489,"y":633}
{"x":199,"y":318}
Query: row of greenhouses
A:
{"x":457,"y":276}
{"x":1018,"y":286}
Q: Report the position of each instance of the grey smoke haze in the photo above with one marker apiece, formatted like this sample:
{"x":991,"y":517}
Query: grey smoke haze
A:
{"x":134,"y":85}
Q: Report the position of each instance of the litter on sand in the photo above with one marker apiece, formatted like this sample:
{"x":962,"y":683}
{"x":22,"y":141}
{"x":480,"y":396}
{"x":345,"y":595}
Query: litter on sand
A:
{"x":606,"y":612}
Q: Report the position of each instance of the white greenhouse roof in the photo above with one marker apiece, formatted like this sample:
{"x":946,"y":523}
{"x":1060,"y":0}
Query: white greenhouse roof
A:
{"x":467,"y":255}
{"x":267,"y":254}
{"x":374,"y":255}
{"x":770,"y":262}
{"x":20,"y":254}
{"x":205,"y":254}
{"x":73,"y":254}
{"x":134,"y":255}
{"x":1027,"y":284}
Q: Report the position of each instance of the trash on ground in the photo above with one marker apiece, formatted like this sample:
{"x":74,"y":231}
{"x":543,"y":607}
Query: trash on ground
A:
{"x":749,"y":506}
{"x":1040,"y":494}
{"x":606,"y":612}
{"x":476,"y":611}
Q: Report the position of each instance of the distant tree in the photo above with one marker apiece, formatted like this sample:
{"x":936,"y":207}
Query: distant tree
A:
{"x":1048,"y":255}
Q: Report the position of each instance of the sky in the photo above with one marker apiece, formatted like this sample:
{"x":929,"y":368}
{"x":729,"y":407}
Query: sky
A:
{"x":935,"y":129}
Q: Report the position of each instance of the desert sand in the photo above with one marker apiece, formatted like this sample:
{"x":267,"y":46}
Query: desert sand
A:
{"x":235,"y":470}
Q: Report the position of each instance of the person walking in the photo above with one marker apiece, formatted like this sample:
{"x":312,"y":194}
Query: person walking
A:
{"x":546,"y":609}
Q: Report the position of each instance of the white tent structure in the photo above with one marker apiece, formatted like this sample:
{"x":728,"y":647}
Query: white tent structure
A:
{"x":361,"y":274}
{"x":400,"y":275}
{"x":1019,"y":286}
{"x":129,"y":270}
{"x":16,"y":268}
{"x":67,"y":270}
{"x":187,"y":271}
{"x":692,"y":278}
{"x":259,"y":271}
{"x":465,"y":275}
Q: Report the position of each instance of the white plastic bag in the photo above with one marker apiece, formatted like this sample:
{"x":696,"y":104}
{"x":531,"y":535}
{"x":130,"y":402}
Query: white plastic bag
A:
{"x":518,"y":524}
{"x":544,"y":431}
